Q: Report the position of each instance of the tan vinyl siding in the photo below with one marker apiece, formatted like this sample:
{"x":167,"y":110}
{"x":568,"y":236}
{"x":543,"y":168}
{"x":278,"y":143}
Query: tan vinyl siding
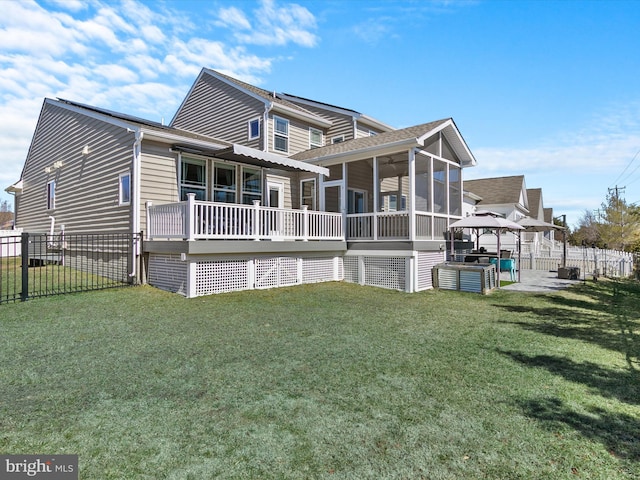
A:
{"x":159,"y":177}
{"x":342,"y":124}
{"x":87,"y":186}
{"x":298,"y":135}
{"x":219,"y":110}
{"x":360,"y":177}
{"x":365,"y":130}
{"x":288,"y":180}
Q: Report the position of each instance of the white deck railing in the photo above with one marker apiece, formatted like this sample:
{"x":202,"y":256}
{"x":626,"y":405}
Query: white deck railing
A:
{"x":195,"y":220}
{"x":395,"y":226}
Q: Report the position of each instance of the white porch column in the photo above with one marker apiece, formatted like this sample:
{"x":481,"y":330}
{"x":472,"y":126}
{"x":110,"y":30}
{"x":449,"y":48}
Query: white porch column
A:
{"x":412,"y":194}
{"x":190,"y":220}
{"x":148,"y":204}
{"x":343,"y":199}
{"x":376,"y":201}
{"x":321,"y":198}
{"x":305,"y":223}
{"x":256,"y":220}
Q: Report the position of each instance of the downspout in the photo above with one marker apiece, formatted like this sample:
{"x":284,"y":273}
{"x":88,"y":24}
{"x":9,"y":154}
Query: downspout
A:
{"x":265,"y":129}
{"x":135,"y":214}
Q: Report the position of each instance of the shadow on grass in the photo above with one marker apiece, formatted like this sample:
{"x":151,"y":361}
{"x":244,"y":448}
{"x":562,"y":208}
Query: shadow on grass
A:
{"x":623,"y":385}
{"x":618,"y":432}
{"x":605,"y":314}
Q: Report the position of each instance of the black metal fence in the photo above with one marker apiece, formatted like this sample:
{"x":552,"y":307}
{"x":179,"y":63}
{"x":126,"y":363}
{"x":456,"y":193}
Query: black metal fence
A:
{"x":36,"y":265}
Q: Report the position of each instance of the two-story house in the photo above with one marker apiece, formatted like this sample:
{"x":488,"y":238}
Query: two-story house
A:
{"x":248,"y":188}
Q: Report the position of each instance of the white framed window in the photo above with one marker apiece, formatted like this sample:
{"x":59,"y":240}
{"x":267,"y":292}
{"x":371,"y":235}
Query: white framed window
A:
{"x":372,"y":133}
{"x":193,"y":178}
{"x":308,"y":193}
{"x":281,"y":134}
{"x":389,"y":202}
{"x":51,"y":195}
{"x":124,"y":189}
{"x":251,"y":185}
{"x":339,"y":139}
{"x":356,"y":201}
{"x":224,"y":183}
{"x":254,"y":128}
{"x":315,"y":138}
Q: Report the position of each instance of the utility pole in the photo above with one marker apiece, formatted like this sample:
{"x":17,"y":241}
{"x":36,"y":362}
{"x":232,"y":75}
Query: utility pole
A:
{"x":619,"y":210}
{"x":617,"y":190}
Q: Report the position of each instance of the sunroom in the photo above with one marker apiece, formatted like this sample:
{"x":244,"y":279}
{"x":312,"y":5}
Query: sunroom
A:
{"x":404,"y":185}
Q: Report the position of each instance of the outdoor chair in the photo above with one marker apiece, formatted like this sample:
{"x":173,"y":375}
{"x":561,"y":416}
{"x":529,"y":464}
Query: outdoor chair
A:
{"x":507,"y":265}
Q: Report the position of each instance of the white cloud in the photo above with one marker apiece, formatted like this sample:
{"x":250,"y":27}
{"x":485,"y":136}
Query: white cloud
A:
{"x":71,"y":5}
{"x":272,"y":24}
{"x":116,"y":73}
{"x":573,"y":168}
{"x":233,"y":17}
{"x":373,"y":31}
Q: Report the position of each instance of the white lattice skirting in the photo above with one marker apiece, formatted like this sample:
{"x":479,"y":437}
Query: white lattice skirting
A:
{"x":409,"y":273}
{"x":193,"y":278}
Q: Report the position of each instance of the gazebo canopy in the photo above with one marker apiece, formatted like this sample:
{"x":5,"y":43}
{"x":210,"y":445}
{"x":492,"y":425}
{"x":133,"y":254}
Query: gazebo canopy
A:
{"x":486,"y":221}
{"x":535,"y":225}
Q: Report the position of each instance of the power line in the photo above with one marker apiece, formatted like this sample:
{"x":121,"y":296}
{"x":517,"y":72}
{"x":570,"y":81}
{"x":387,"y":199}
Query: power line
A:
{"x":634,"y":171}
{"x":626,"y":168}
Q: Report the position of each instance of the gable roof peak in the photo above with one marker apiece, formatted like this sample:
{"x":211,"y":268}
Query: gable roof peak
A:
{"x":269,"y":98}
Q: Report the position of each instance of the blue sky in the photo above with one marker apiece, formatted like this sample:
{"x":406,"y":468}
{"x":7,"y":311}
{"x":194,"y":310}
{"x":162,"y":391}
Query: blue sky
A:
{"x":547,"y":89}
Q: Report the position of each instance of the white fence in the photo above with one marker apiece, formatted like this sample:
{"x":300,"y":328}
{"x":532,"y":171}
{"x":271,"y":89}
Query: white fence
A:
{"x":610,"y":263}
{"x":10,"y":248}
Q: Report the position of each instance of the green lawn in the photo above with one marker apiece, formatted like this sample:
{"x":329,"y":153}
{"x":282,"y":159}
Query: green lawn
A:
{"x":327,"y":381}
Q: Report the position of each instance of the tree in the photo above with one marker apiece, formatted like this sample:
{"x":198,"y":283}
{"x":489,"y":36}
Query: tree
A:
{"x":587,"y":232}
{"x":619,"y":224}
{"x":6,"y":215}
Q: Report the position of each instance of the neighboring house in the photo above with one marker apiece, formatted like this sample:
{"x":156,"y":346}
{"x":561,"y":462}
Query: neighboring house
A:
{"x":509,"y":197}
{"x":247,"y":189}
{"x":536,"y":211}
{"x":506,"y":196}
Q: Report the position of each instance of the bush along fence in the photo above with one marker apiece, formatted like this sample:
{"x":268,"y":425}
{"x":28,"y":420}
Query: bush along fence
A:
{"x":36,"y":264}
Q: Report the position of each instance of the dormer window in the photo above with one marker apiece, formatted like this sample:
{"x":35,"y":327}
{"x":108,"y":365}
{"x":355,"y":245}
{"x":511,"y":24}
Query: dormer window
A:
{"x":339,"y":139}
{"x":281,"y":135}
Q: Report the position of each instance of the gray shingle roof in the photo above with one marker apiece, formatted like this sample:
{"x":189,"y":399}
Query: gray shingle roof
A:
{"x":370,"y":142}
{"x":534,"y":195}
{"x":149,"y":124}
{"x":498,"y":190}
{"x":261,"y":92}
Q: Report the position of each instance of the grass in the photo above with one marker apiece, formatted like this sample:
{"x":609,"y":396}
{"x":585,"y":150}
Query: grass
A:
{"x":327,"y":381}
{"x":51,"y":279}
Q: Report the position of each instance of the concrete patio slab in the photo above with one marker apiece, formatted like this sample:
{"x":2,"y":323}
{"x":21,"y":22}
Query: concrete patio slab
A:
{"x":540,"y":281}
